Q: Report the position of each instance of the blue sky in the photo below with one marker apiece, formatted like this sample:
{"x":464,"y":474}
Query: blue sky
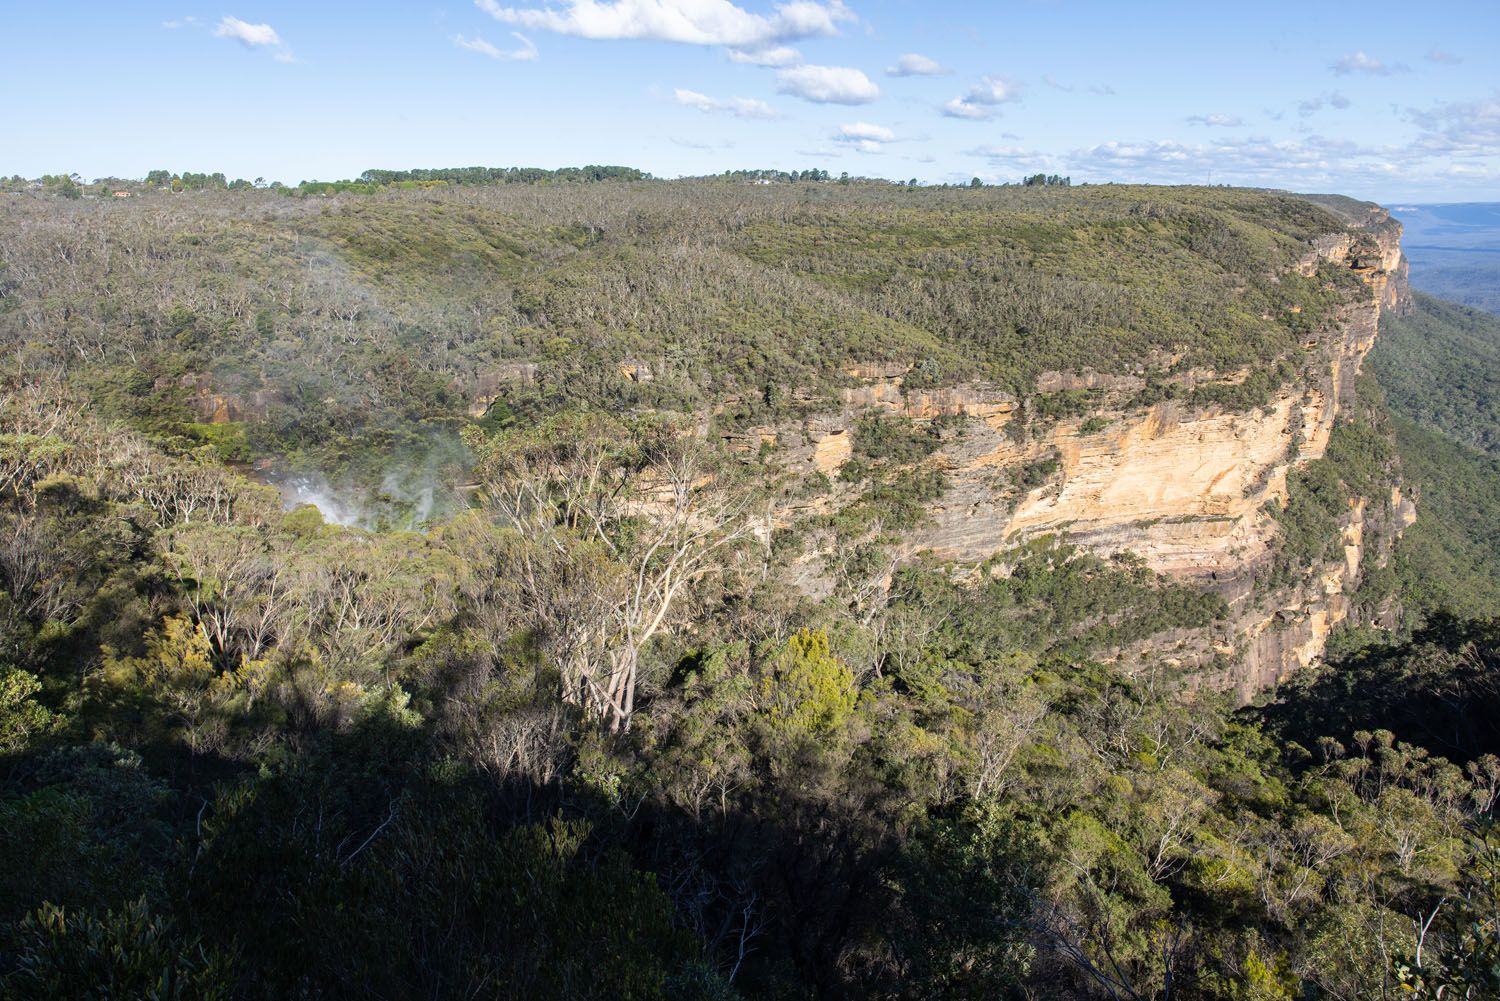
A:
{"x":1389,"y":101}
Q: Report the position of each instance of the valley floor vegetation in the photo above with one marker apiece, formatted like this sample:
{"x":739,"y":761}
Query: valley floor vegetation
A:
{"x":583,"y":737}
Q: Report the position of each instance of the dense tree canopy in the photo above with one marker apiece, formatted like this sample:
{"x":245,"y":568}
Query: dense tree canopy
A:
{"x":592,"y":732}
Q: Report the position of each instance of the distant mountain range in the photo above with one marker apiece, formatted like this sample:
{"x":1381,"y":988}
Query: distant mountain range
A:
{"x":1455,"y":251}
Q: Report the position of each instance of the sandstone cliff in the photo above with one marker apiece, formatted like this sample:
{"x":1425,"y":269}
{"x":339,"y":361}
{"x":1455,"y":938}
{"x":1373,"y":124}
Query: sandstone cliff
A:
{"x":1189,"y":489}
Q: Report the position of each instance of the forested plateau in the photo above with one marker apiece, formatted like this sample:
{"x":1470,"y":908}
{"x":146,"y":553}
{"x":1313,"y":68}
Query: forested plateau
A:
{"x":579,"y":585}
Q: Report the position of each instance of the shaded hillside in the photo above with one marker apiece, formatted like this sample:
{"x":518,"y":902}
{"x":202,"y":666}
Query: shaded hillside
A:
{"x":1440,"y":367}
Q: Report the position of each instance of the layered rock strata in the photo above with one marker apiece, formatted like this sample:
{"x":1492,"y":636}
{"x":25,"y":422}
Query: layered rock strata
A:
{"x":1188,"y":490}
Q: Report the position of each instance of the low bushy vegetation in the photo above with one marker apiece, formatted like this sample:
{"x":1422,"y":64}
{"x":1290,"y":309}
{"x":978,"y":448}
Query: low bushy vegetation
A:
{"x":359,"y":323}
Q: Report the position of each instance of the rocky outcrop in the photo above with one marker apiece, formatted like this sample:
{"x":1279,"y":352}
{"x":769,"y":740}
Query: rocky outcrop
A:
{"x":212,"y":404}
{"x":1188,"y":490}
{"x":831,"y":448}
{"x":485,"y":387}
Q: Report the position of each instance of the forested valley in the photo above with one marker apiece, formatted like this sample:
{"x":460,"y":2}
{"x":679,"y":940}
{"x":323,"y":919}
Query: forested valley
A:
{"x":568,"y":707}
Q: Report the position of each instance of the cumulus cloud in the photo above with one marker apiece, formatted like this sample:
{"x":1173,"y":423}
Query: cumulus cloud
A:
{"x":993,"y":90}
{"x":979,"y":102}
{"x":249,"y":35}
{"x":916,"y":64}
{"x":1443,"y":58}
{"x":1312,"y":105}
{"x":864,"y":130}
{"x":960,"y":108}
{"x":1361,"y":62}
{"x":775,"y":56}
{"x":692,"y":22}
{"x":1460,"y":128}
{"x":1222,"y":121}
{"x":527,"y":53}
{"x":827,"y":84}
{"x":740,"y":107}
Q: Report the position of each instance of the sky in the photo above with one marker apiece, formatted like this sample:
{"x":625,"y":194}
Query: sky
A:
{"x":1386,"y":101}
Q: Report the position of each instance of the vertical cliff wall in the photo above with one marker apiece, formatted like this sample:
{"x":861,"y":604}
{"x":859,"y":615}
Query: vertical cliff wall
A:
{"x":1191,"y":490}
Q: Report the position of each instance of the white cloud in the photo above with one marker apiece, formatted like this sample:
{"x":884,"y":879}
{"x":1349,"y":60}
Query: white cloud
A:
{"x":983,"y":96}
{"x":249,"y":35}
{"x":1223,"y":121}
{"x":960,"y":108}
{"x":1314,"y":160}
{"x":916,"y":64}
{"x":866,"y":132}
{"x":692,"y":22}
{"x":993,"y":90}
{"x":1460,"y":128}
{"x":775,"y":56}
{"x":1360,"y":62}
{"x":827,"y":84}
{"x":527,"y":53}
{"x":740,"y":107}
{"x":180,"y":22}
{"x":1444,"y":58}
{"x":1333,"y":99}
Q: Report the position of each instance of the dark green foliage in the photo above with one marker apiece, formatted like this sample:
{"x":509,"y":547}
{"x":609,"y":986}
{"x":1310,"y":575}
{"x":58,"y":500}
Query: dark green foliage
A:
{"x":1450,"y":558}
{"x":886,"y":438}
{"x":967,"y":886}
{"x":1437,"y":367}
{"x":1033,"y":474}
{"x":416,"y":887}
{"x":1068,"y":403}
{"x":1058,"y":602}
{"x":1442,"y":686}
{"x":128,"y":952}
{"x":1358,"y":463}
{"x":1440,"y":367}
{"x":91,"y":823}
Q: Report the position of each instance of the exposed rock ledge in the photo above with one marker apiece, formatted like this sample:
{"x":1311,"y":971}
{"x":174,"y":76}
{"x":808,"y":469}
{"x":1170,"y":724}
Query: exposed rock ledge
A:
{"x":1186,"y":490}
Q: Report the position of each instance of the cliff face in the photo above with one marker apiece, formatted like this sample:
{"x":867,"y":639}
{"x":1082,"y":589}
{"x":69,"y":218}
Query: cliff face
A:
{"x":1188,"y":490}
